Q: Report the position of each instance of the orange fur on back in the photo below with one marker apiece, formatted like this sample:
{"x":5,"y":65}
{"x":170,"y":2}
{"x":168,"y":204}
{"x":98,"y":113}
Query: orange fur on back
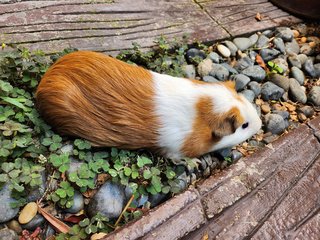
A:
{"x":99,"y":98}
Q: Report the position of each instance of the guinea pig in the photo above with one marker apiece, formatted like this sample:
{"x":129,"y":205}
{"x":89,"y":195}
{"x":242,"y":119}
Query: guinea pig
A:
{"x":114,"y":104}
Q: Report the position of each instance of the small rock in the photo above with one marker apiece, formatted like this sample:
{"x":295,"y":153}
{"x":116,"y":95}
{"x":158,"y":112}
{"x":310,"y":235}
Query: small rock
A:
{"x":189,"y":71}
{"x":229,"y":68}
{"x":210,"y":79}
{"x":279,"y":44}
{"x":302,"y":58}
{"x":309,"y":68}
{"x":317,"y":59}
{"x":97,"y":236}
{"x":275,"y":123}
{"x":292,"y":47}
{"x":282,"y":63}
{"x":241,"y":81}
{"x":78,"y":203}
{"x":223,"y":50}
{"x":67,"y":148}
{"x":205,"y":67}
{"x":268,"y":33}
{"x":302,"y":28}
{"x":235,"y":155}
{"x":243,"y":63}
{"x":307,"y":111}
{"x":258,"y":109}
{"x":15,"y":226}
{"x":74,"y":166}
{"x":263,"y":41}
{"x":232,"y":47}
{"x":313,"y":39}
{"x":280,"y":81}
{"x":294,"y":61}
{"x":296,"y":92}
{"x":156,"y":199}
{"x":8,"y":234}
{"x":255,"y":87}
{"x":38,"y":191}
{"x":314,"y":95}
{"x":255,"y":73}
{"x":317,"y":69}
{"x":284,"y":114}
{"x":285,"y":33}
{"x":28,"y":212}
{"x":249,"y":95}
{"x":270,"y":139}
{"x":7,"y":213}
{"x":242,"y":43}
{"x":269,"y":54}
{"x":265,"y":108}
{"x":225,"y":152}
{"x":109,"y":201}
{"x":214,"y":57}
{"x":219,"y":72}
{"x":193,"y":178}
{"x":270,"y":91}
{"x":49,"y":232}
{"x":254,"y":38}
{"x":35,"y":222}
{"x":252,"y":55}
{"x":206,"y":172}
{"x":297,"y":74}
{"x":194,"y":53}
{"x":302,"y":117}
{"x":306,"y":49}
{"x":295,"y":33}
{"x":184,"y":180}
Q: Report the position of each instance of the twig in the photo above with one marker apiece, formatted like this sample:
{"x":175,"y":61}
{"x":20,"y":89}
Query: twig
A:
{"x":123,"y":211}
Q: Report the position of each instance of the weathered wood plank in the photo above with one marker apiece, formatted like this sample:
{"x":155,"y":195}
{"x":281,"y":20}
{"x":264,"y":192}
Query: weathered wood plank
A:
{"x":103,"y":26}
{"x":238,"y":16}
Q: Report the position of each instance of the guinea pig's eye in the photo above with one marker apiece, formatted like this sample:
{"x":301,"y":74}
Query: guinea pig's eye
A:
{"x":245,"y":125}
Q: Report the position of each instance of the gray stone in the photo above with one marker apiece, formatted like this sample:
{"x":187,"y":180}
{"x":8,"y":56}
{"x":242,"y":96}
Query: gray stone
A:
{"x":242,"y":43}
{"x":214,"y":57}
{"x":205,"y":67}
{"x":255,"y":73}
{"x":210,"y":79}
{"x":317,"y":59}
{"x":255,"y":87}
{"x":67,"y":148}
{"x":252,"y":55}
{"x":307,"y":111}
{"x":314,"y":95}
{"x":8,"y":234}
{"x":258,"y":109}
{"x":269,"y":54}
{"x":284,"y":114}
{"x":189,"y":71}
{"x":279,"y":44}
{"x":225,"y":152}
{"x":156,"y":199}
{"x":306,"y":49}
{"x":317,"y":69}
{"x":297,"y":74}
{"x":254,"y":38}
{"x":280,"y":81}
{"x":243,"y":63}
{"x":193,"y":53}
{"x":282,"y":63}
{"x":49,"y":232}
{"x":219,"y":72}
{"x":267,"y":33}
{"x":78,"y":203}
{"x":294,"y":61}
{"x":270,"y":139}
{"x":35,"y":222}
{"x":223,"y":50}
{"x":249,"y":95}
{"x":292,"y":47}
{"x":285,"y":33}
{"x":241,"y":81}
{"x":302,"y":28}
{"x":229,"y":68}
{"x":7,"y":212}
{"x":263,"y":41}
{"x":37,"y":192}
{"x":296,"y":92}
{"x":74,"y":166}
{"x":314,"y":39}
{"x":275,"y":123}
{"x":109,"y":201}
{"x":184,"y":180}
{"x":270,"y":91}
{"x":309,"y":68}
{"x":232,"y":47}
{"x":303,"y":58}
{"x":235,"y":155}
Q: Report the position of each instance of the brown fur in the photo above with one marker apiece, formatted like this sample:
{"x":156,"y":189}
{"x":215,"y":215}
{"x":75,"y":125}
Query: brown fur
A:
{"x":209,"y":128}
{"x":99,"y":98}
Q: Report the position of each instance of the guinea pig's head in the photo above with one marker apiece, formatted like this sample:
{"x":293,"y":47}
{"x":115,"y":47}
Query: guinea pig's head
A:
{"x":233,"y":120}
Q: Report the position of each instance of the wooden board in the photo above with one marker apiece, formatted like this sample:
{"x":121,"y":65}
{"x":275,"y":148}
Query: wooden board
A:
{"x":110,"y":26}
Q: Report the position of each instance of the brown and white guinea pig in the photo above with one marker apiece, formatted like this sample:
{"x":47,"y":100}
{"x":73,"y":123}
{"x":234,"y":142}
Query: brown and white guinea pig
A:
{"x":114,"y":104}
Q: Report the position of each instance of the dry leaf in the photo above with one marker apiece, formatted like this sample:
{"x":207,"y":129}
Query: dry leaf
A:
{"x":73,"y":218}
{"x":55,"y":222}
{"x":259,"y":101}
{"x":260,"y":61}
{"x":205,"y":236}
{"x":258,"y":17}
{"x":89,"y":193}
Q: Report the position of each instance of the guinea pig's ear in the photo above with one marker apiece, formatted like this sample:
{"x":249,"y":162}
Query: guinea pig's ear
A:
{"x":230,"y":84}
{"x":228,"y":123}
